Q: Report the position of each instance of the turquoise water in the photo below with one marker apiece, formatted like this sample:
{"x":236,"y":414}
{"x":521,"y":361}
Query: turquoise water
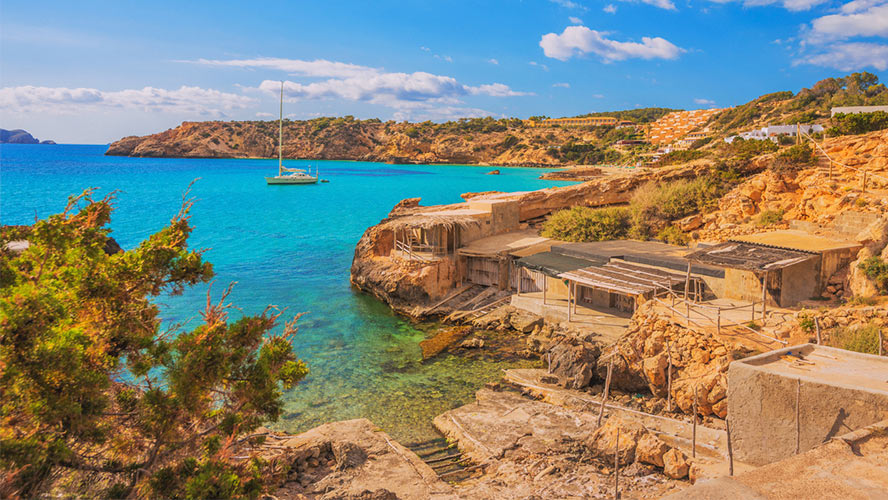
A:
{"x":290,"y":246}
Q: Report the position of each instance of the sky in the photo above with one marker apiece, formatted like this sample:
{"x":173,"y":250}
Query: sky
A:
{"x":93,"y":72}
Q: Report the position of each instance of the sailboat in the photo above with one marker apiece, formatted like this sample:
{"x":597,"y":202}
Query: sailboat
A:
{"x":288,"y":175}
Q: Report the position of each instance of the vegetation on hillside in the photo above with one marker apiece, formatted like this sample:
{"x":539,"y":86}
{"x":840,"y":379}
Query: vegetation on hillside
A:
{"x":863,"y":339}
{"x":809,"y":105}
{"x":650,"y":212}
{"x":853,"y":124}
{"x":638,"y":115}
{"x":100,"y":398}
{"x":876,"y":269}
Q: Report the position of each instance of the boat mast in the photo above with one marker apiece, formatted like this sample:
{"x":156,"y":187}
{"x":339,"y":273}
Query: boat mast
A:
{"x":281,"y":134}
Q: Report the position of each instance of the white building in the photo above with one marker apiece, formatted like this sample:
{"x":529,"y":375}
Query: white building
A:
{"x":771,"y":132}
{"x":854,"y":110}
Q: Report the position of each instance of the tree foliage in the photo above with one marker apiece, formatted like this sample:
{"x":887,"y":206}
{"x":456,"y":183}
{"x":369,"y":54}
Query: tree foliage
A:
{"x":859,"y":123}
{"x":93,"y":383}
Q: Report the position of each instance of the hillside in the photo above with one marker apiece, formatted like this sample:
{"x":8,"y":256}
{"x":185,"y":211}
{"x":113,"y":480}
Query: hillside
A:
{"x":809,"y":105}
{"x":469,"y":141}
{"x":509,"y":142}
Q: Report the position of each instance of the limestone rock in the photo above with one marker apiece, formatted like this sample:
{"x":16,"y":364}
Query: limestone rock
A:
{"x":348,"y":455}
{"x":675,"y":464}
{"x":650,"y":450}
{"x":603,"y":441}
{"x":524,"y":321}
{"x":574,"y":362}
{"x":472,"y":343}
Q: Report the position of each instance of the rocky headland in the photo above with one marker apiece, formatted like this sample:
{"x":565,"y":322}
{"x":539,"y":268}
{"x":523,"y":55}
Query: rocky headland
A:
{"x":19,"y":136}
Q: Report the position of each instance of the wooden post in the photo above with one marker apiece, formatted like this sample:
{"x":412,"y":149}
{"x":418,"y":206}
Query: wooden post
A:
{"x":688,"y":281}
{"x":798,"y":133}
{"x":753,"y":312}
{"x":764,"y":296}
{"x":718,"y":325}
{"x":669,"y":377}
{"x":817,"y":329}
{"x":617,"y":465}
{"x":545,"y":288}
{"x":864,"y":182}
{"x":607,"y":384}
{"x":520,"y":279}
{"x":569,"y":298}
{"x":694,"y":435}
{"x":880,"y":341}
{"x":798,"y":413}
{"x":730,"y":448}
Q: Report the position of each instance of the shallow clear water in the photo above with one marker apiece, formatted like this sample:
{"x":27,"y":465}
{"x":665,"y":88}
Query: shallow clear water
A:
{"x":290,"y":246}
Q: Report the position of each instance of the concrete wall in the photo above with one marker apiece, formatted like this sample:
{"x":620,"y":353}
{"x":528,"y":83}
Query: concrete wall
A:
{"x":762,"y":401}
{"x":833,"y":260}
{"x":799,"y":282}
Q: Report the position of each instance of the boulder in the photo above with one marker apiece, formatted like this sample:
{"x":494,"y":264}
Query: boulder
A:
{"x":675,"y":464}
{"x":650,"y":450}
{"x":574,"y":362}
{"x":524,"y":321}
{"x":690,"y":223}
{"x":603,"y":441}
{"x":347,"y":455}
{"x":472,"y":343}
{"x":493,"y":172}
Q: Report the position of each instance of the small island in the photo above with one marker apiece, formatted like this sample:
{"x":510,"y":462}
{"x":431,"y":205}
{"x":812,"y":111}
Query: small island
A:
{"x":19,"y":136}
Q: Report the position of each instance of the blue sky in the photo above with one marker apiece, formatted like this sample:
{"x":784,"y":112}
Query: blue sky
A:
{"x":92,"y":72}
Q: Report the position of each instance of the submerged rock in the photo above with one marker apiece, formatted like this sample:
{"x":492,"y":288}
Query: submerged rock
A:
{"x":442,"y":340}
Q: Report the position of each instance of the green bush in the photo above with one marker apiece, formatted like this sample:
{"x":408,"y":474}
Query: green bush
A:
{"x":509,"y":141}
{"x":742,"y":149}
{"x":673,"y":235}
{"x":587,"y":224}
{"x":865,"y":339}
{"x":769,"y":217}
{"x":683,"y":156}
{"x":877,"y":270}
{"x":98,"y":392}
{"x":800,"y":154}
{"x":860,"y":123}
{"x":411,"y":132}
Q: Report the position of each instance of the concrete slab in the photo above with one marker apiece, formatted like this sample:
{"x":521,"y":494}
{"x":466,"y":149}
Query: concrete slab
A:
{"x":832,"y":391}
{"x":853,"y":466}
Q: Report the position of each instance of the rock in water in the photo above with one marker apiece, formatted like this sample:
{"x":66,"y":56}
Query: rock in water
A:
{"x":444,"y":339}
{"x":493,"y":172}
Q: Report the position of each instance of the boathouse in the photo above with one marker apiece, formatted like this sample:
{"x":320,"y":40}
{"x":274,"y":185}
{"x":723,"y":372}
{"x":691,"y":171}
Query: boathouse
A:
{"x":430,"y":235}
{"x":488,"y":261}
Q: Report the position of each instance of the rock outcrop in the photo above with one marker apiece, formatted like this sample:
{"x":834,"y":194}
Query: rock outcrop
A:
{"x":699,"y":363}
{"x":808,"y":194}
{"x":19,"y":136}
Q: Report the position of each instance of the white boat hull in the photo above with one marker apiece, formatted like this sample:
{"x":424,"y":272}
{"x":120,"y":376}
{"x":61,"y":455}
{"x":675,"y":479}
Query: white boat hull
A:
{"x":288,"y":179}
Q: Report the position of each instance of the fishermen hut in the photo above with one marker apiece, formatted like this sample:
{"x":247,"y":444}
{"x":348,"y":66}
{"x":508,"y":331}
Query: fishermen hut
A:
{"x":618,"y":285}
{"x":488,"y":262}
{"x":779,"y":268}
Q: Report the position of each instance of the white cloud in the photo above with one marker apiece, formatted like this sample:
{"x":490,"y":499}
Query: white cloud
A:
{"x":568,"y":4}
{"x":263,"y":114}
{"x":579,"y":40}
{"x":563,"y":85}
{"x":539,"y":65}
{"x":663,"y":4}
{"x":610,"y":8}
{"x":859,"y":5}
{"x":387,"y":88}
{"x":493,"y":61}
{"x":598,"y":96}
{"x":321,"y":68}
{"x":445,"y":58}
{"x":792,"y":5}
{"x":859,"y":20}
{"x":496,"y":90}
{"x":60,"y":100}
{"x":704,"y":102}
{"x":425,"y":49}
{"x":422,"y":112}
{"x":575,"y":20}
{"x":850,"y":56}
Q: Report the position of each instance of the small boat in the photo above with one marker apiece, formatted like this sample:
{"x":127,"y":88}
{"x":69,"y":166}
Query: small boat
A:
{"x":288,"y":175}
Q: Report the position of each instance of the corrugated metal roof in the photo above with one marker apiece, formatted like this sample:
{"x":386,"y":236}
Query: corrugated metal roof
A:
{"x":553,"y":264}
{"x":795,"y":240}
{"x":749,"y":256}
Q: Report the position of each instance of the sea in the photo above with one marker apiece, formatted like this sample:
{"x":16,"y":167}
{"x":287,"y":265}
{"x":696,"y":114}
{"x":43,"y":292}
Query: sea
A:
{"x":291,"y":247}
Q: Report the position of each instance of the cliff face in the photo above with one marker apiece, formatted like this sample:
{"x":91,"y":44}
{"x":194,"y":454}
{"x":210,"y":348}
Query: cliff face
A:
{"x":371,"y":140}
